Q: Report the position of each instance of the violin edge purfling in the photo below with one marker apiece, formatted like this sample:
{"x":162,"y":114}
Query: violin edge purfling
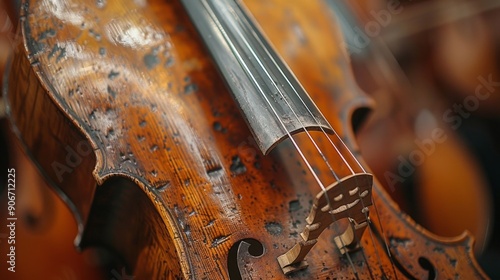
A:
{"x":208,"y":189}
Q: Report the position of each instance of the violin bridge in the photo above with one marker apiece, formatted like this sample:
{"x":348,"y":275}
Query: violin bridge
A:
{"x":349,"y":199}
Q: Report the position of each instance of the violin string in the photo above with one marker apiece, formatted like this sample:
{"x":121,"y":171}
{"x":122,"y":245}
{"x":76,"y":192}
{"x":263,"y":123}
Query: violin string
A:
{"x":242,"y":62}
{"x":261,"y":91}
{"x":380,"y":224}
{"x":417,"y":18}
{"x":350,"y":153}
{"x":305,"y":106}
{"x":366,"y":261}
{"x":385,"y":239}
{"x":389,"y":66}
{"x":387,"y":62}
{"x":343,"y":158}
{"x":309,"y":136}
{"x":320,"y":183}
{"x":347,"y":164}
{"x":364,"y":206}
{"x":318,"y":149}
{"x":290,"y":136}
{"x":368,"y":220}
{"x":309,"y":112}
{"x":361,"y":248}
{"x":373,"y":202}
{"x":341,"y":155}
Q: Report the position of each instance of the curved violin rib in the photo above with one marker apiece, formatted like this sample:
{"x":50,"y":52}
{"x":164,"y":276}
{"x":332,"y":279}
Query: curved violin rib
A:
{"x":142,"y":138}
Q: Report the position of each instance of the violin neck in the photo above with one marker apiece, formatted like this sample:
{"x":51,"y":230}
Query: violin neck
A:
{"x":273,"y":102}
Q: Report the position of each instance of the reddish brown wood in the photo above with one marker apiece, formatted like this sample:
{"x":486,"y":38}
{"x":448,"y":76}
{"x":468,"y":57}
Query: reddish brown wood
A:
{"x":179,"y":179}
{"x":45,"y":228}
{"x":447,"y":176}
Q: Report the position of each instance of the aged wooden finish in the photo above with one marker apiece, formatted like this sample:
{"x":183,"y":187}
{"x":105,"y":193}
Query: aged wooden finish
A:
{"x":124,"y":111}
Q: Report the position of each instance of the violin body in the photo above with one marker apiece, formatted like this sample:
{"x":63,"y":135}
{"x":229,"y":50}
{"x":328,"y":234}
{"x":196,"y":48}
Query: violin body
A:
{"x":127,"y":117}
{"x":44,"y":223}
{"x":447,"y":175}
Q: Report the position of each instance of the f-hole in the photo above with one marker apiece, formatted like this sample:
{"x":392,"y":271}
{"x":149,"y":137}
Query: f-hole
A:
{"x":427,"y":265}
{"x":238,"y":251}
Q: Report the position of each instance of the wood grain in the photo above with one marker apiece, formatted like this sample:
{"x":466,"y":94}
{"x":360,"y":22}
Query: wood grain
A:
{"x":174,"y":181}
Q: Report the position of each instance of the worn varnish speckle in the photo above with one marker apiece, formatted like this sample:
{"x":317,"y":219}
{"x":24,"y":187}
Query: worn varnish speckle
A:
{"x":133,"y":79}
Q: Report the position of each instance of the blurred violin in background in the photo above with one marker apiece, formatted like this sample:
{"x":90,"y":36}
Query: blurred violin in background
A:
{"x":425,"y":71}
{"x":174,"y":141}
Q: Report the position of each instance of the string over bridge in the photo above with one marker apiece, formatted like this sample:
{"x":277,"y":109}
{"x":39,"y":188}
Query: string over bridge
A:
{"x":272,"y":100}
{"x":348,"y":198}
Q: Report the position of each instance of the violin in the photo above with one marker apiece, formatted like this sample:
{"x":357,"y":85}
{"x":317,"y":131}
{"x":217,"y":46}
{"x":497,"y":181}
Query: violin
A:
{"x":409,"y":108}
{"x":45,"y":227}
{"x":213,"y":140}
{"x":44,"y":224}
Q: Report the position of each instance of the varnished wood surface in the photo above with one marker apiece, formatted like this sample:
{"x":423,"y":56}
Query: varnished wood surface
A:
{"x":133,"y":81}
